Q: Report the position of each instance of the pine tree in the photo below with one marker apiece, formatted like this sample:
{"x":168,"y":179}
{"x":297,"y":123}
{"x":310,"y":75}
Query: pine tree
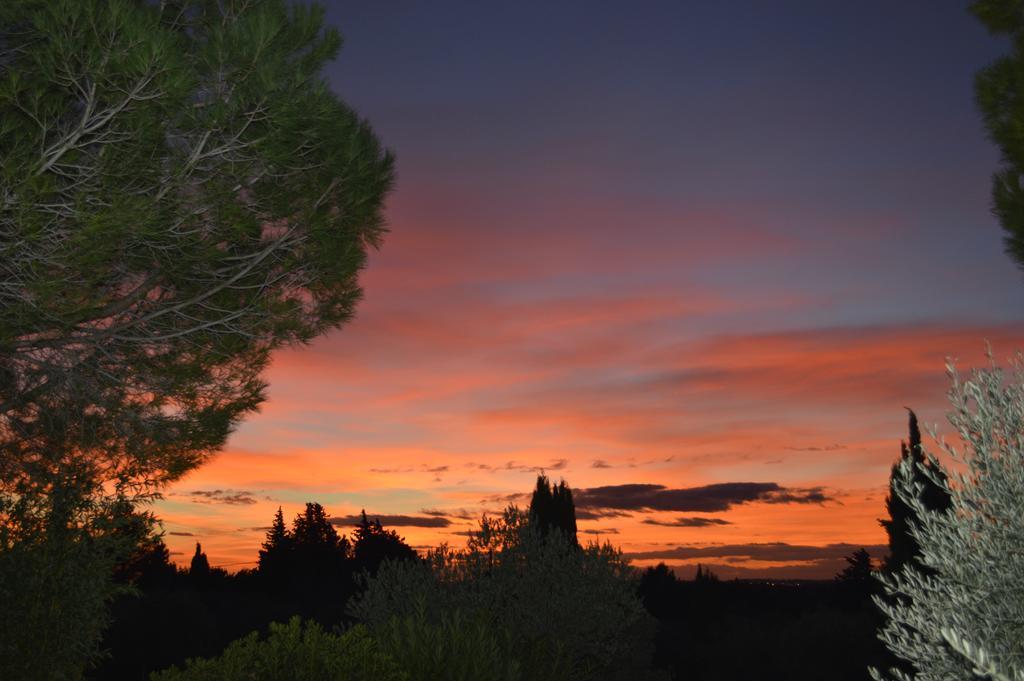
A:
{"x":318,"y":551}
{"x":903,"y":547}
{"x":182,"y":195}
{"x":858,"y":569}
{"x":275,"y":552}
{"x":999,"y":93}
{"x":373,"y":545}
{"x":312,"y":529}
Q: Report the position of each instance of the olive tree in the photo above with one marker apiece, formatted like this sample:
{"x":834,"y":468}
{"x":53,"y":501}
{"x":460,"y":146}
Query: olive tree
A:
{"x":563,"y":611}
{"x":960,"y":613}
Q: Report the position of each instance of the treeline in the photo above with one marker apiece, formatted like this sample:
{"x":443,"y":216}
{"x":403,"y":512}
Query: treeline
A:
{"x":712,"y":630}
{"x":523,"y":600}
{"x":307,"y":570}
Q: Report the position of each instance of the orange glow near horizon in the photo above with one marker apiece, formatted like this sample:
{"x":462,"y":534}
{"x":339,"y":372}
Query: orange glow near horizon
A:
{"x":449,"y":427}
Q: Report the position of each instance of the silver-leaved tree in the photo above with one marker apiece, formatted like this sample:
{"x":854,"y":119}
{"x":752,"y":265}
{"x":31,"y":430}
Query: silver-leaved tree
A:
{"x":962,"y":617}
{"x":180,"y":195}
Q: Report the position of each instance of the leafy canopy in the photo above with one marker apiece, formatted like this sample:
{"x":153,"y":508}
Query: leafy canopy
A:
{"x":961,"y":609}
{"x":180,"y":194}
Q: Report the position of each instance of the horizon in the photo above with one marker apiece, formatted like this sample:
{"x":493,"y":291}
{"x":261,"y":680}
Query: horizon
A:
{"x":602,"y":266}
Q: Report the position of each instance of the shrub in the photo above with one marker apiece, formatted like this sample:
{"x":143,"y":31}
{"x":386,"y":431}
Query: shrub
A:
{"x":294,"y":652}
{"x":962,"y":616}
{"x":455,"y":648}
{"x":568,"y":612}
{"x":58,"y":551}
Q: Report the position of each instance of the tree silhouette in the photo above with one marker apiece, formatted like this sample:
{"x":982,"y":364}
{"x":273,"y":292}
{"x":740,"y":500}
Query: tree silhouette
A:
{"x":858,"y":569}
{"x":552,"y":507}
{"x":318,"y":552}
{"x":274,"y":556}
{"x":902,"y":546}
{"x":656,"y":586}
{"x":148,"y":566}
{"x":199,"y":570}
{"x":373,"y":545}
{"x":704,"y":576}
{"x":312,"y":530}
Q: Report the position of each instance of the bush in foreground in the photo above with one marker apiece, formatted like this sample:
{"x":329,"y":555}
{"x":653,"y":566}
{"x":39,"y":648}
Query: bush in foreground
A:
{"x":450,"y":647}
{"x":297,"y":653}
{"x":565,"y":612}
{"x":961,"y":614}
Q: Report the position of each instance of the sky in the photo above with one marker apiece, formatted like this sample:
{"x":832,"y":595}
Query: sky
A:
{"x":693,"y":258}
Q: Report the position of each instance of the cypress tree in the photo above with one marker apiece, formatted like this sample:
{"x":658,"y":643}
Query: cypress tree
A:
{"x":903,"y":549}
{"x":540,"y":504}
{"x":199,"y":570}
{"x":564,"y":510}
{"x":552,"y":507}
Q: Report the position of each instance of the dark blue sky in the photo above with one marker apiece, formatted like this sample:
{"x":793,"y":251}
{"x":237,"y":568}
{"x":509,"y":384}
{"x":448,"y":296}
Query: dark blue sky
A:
{"x":804,"y":117}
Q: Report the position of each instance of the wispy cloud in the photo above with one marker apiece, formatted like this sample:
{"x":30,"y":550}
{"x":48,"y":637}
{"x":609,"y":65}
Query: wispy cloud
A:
{"x":693,"y":521}
{"x":769,"y":552}
{"x":392,"y":520}
{"x":552,"y":465}
{"x":424,"y":468}
{"x":707,"y":498}
{"x":220,"y":496}
{"x":597,"y":514}
{"x":459,"y":513}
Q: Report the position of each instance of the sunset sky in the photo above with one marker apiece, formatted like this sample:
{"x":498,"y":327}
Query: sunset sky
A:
{"x":694,"y":258}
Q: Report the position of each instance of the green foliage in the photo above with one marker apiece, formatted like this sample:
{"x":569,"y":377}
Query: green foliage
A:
{"x":999,"y":92}
{"x":294,"y":652}
{"x":57,"y":554}
{"x":568,"y":612}
{"x":53,"y":594}
{"x":449,"y":647}
{"x":180,"y":195}
{"x":963,"y":609}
